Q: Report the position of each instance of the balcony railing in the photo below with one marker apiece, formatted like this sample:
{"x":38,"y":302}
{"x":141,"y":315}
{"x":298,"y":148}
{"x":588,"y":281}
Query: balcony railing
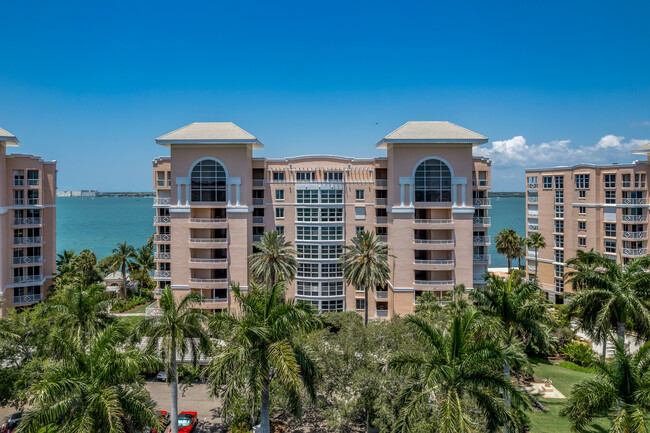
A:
{"x":635,"y":235}
{"x":28,"y":240}
{"x":19,"y":201}
{"x":533,"y":227}
{"x":157,"y":292}
{"x":213,"y":300}
{"x":208,"y":240}
{"x":383,"y":238}
{"x":381,"y":314}
{"x":193,"y":260}
{"x":634,"y":251}
{"x":381,"y":220}
{"x":480,"y":221}
{"x":32,"y":182}
{"x":434,"y":282}
{"x":162,"y":220}
{"x":258,"y":201}
{"x":165,"y":201}
{"x":481,"y":258}
{"x":162,"y":238}
{"x":33,"y":221}
{"x":19,"y":182}
{"x":633,"y":218}
{"x":33,"y":202}
{"x":258,"y":220}
{"x":258,"y":183}
{"x":26,"y":299}
{"x":434,"y":241}
{"x":381,"y":201}
{"x":434,"y":262}
{"x":381,"y":182}
{"x":482,"y":183}
{"x":381,"y":294}
{"x":162,"y":275}
{"x":438,"y":221}
{"x":27,"y":260}
{"x":481,"y":239}
{"x":533,"y":213}
{"x":484,"y":201}
{"x":533,"y":186}
{"x":533,"y":199}
{"x":635,"y":200}
{"x":26,"y":279}
{"x":208,"y":280}
{"x":162,"y":256}
{"x":208,"y":220}
{"x":153,"y":311}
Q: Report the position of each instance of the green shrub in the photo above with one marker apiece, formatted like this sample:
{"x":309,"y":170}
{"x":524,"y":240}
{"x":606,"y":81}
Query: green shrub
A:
{"x":571,"y":366}
{"x":122,"y":305}
{"x":578,"y":353}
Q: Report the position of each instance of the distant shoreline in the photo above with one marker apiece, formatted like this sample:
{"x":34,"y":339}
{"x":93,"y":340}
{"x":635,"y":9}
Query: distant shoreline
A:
{"x":113,"y":194}
{"x":507,"y":194}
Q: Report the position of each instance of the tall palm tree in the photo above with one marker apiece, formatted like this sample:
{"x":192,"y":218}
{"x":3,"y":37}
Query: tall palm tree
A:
{"x":536,"y":241}
{"x":459,"y":376}
{"x":85,"y":268}
{"x":609,"y":294}
{"x":178,"y":329}
{"x":365,"y":264}
{"x":123,"y":255}
{"x":275,"y":259}
{"x":64,"y":259}
{"x":507,"y":243}
{"x":92,"y":387}
{"x":142,"y":265}
{"x":261,"y":347}
{"x":520,"y":251}
{"x":621,"y":391}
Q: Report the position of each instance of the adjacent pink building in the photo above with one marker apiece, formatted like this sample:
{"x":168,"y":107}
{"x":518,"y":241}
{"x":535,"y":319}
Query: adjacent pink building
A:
{"x":27,"y":226}
{"x":428,"y":198}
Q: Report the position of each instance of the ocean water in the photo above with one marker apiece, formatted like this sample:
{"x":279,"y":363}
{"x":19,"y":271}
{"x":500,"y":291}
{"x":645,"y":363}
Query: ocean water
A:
{"x":99,"y":224}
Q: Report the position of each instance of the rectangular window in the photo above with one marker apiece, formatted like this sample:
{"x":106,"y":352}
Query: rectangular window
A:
{"x":610,"y":196}
{"x":332,"y":305}
{"x":331,"y":196}
{"x":332,"y":233}
{"x":548,"y":182}
{"x":334,"y":176}
{"x":610,"y":230}
{"x":559,"y":271}
{"x":609,"y":180}
{"x":582,"y":242}
{"x":360,"y":213}
{"x":582,"y":194}
{"x":304,"y":176}
{"x":161,"y":178}
{"x":360,"y":304}
{"x":280,"y":230}
{"x":639,"y":180}
{"x":610,"y":246}
{"x":582,"y":225}
{"x":32,"y":197}
{"x":278,"y":175}
{"x":331,"y":251}
{"x":359,"y":229}
{"x":558,"y":256}
{"x":306,"y":233}
{"x":279,"y":194}
{"x":19,"y":178}
{"x":279,"y":212}
{"x":559,"y":285}
{"x":331,"y":214}
{"x":32,"y":177}
{"x":307,"y":270}
{"x":307,"y":196}
{"x":559,"y":226}
{"x":559,"y":241}
{"x":307,"y":251}
{"x":307,"y":214}
{"x":559,"y":182}
{"x":626,"y":181}
{"x":582,"y":181}
{"x":360,"y":194}
{"x":582,"y":210}
{"x":559,"y":196}
{"x":331,"y":270}
{"x":532,"y":181}
{"x":306,"y":288}
{"x":332,"y":288}
{"x":559,"y":211}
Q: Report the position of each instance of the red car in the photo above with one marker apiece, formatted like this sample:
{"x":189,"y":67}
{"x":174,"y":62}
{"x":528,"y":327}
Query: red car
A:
{"x":12,"y":423}
{"x":186,"y":422}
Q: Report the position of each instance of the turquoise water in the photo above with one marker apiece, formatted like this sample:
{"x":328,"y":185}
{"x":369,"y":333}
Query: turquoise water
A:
{"x":99,"y":224}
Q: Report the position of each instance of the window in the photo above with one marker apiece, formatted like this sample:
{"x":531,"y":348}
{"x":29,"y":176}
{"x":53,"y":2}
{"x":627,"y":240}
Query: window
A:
{"x":559,"y":271}
{"x":19,"y":178}
{"x":559,"y":241}
{"x":558,"y":256}
{"x":307,"y":251}
{"x":332,"y":288}
{"x":559,"y":211}
{"x":332,"y":233}
{"x":639,"y":180}
{"x":208,"y":181}
{"x":334,"y":176}
{"x":331,"y":270}
{"x":304,"y":176}
{"x":307,"y":196}
{"x":306,"y":288}
{"x":331,"y":214}
{"x":279,"y":194}
{"x":360,"y":194}
{"x":532,"y":181}
{"x":432,"y":182}
{"x":331,"y":251}
{"x":559,"y":226}
{"x":307,"y":233}
{"x":307,"y":270}
{"x":382,"y":231}
{"x":331,"y":196}
{"x":333,"y":305}
{"x":626,"y":180}
{"x":548,"y":182}
{"x":360,"y":304}
{"x":306,"y":214}
{"x":278,"y":175}
{"x":559,"y":285}
{"x":559,"y":182}
{"x":610,"y":230}
{"x":360,"y":213}
{"x":582,"y":210}
{"x":582,"y":225}
{"x":280,"y":230}
{"x":582,"y":181}
{"x":582,"y":241}
{"x":610,"y":196}
{"x":559,"y":196}
{"x":582,"y":194}
{"x":32,"y":177}
{"x":609,"y":180}
{"x":279,"y":212}
{"x":482,"y":178}
{"x":610,"y":246}
{"x":32,"y":197}
{"x":359,"y":229}
{"x":161,"y":178}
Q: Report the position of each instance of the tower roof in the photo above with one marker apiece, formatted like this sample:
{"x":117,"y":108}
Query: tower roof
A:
{"x":8,"y":138}
{"x":643,"y":149}
{"x":429,"y":132}
{"x":209,"y":133}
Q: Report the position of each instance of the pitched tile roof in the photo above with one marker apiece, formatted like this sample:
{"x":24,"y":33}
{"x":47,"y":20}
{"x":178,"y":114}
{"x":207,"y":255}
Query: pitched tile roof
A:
{"x":209,"y":133}
{"x":432,"y":132}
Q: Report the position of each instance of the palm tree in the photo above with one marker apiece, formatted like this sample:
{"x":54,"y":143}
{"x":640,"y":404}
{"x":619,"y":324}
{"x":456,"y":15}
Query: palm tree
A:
{"x":85,"y":268}
{"x":365,"y":264}
{"x":520,"y":251}
{"x":142,"y":265}
{"x":621,"y":391}
{"x":609,"y":294}
{"x":123,"y":255}
{"x":261,"y":347}
{"x":507,"y":243}
{"x":92,"y":387}
{"x":275,"y":259}
{"x":64,"y":259}
{"x":178,"y":328}
{"x":459,"y":376}
{"x":536,"y":241}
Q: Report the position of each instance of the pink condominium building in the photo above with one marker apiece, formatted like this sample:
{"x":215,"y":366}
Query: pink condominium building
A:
{"x":27,"y":226}
{"x":428,"y":198}
{"x":586,"y":207}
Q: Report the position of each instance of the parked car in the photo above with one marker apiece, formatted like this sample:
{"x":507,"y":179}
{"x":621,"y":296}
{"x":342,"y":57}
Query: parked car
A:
{"x":12,"y":423}
{"x":162,"y":376}
{"x":163,"y":416}
{"x":186,"y":422}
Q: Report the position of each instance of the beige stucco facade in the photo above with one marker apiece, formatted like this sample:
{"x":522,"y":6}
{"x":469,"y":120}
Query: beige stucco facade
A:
{"x":585,"y":207}
{"x":27,"y":226}
{"x":427,"y":198}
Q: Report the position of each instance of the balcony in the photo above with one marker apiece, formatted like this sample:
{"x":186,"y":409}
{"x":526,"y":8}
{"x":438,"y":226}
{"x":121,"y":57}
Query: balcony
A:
{"x":209,"y":283}
{"x":533,"y":227}
{"x":434,"y":262}
{"x":257,"y":238}
{"x":162,"y":220}
{"x":382,"y":183}
{"x":635,"y":200}
{"x":435,"y":223}
{"x":258,"y":183}
{"x":22,"y":279}
{"x":162,"y":238}
{"x":634,"y":251}
{"x":35,"y":240}
{"x":208,"y":223}
{"x":481,"y":258}
{"x":157,"y":293}
{"x":433,"y":265}
{"x":381,"y":294}
{"x":207,"y":242}
{"x":213,"y":300}
{"x":434,"y":283}
{"x":632,"y":218}
{"x":482,"y":183}
{"x":635,"y":235}
{"x":258,"y":220}
{"x":381,"y":314}
{"x":482,"y":221}
{"x":33,"y":202}
{"x":381,"y":201}
{"x":162,"y":275}
{"x":165,"y":201}
{"x":27,"y":260}
{"x":533,"y":199}
{"x":208,"y":280}
{"x":533,"y":213}
{"x":26,"y":299}
{"x":34,"y":221}
{"x":533,"y":186}
{"x":482,"y":202}
{"x":153,"y":311}
{"x":208,"y":260}
{"x":481,"y":240}
{"x":381,"y":220}
{"x":258,"y":201}
{"x":383,"y":238}
{"x":162,"y":256}
{"x":434,"y":241}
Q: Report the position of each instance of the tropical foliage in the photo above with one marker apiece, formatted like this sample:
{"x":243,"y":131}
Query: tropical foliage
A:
{"x":508,"y":243}
{"x":274,"y":260}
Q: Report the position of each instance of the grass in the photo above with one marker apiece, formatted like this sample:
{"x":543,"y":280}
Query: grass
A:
{"x":131,"y":320}
{"x":563,"y":379}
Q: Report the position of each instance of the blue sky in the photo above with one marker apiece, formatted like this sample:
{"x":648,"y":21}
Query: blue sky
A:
{"x":91,"y":84}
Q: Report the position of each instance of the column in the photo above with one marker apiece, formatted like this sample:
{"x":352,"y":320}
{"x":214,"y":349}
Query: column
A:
{"x":187,"y":194}
{"x":237,"y":194}
{"x":179,"y":193}
{"x":228,"y":190}
{"x":462,"y":192}
{"x":454,"y":186}
{"x":402,"y":194}
{"x":412,"y":193}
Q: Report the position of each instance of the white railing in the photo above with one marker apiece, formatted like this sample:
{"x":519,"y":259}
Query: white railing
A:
{"x":635,"y":235}
{"x":208,"y":280}
{"x":533,"y":186}
{"x":162,"y":275}
{"x":258,"y":220}
{"x":19,"y":202}
{"x":208,"y":220}
{"x":381,"y":294}
{"x":258,"y":201}
{"x":28,"y":240}
{"x":33,"y":221}
{"x":192,"y":260}
{"x":381,"y":201}
{"x":381,"y":220}
{"x":434,"y":282}
{"x":381,"y":182}
{"x":531,"y":268}
{"x":162,"y":219}
{"x":434,"y":262}
{"x":481,"y":221}
{"x":481,"y":239}
{"x":482,"y":183}
{"x":160,"y":183}
{"x":162,"y":238}
{"x":32,"y":182}
{"x":482,"y":201}
{"x":153,"y":311}
{"x":162,"y":256}
{"x":208,"y":240}
{"x":533,"y":199}
{"x":165,"y":201}
{"x":434,"y":241}
{"x":533,"y":227}
{"x":381,"y":314}
{"x":438,"y":221}
{"x":258,"y":183}
{"x":19,"y":182}
{"x":26,"y":279}
{"x":533,"y":213}
{"x":33,"y":202}
{"x":633,"y":218}
{"x":26,"y":299}
{"x":634,"y":251}
{"x":213,"y":300}
{"x":635,"y":200}
{"x":481,"y":258}
{"x":27,"y":260}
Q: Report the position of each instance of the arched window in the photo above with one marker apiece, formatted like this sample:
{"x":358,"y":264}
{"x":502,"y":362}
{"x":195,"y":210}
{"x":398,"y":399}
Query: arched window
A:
{"x":208,"y":181}
{"x":433,"y":182}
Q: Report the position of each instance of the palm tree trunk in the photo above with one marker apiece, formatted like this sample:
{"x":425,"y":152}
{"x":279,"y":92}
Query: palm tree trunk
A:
{"x":509,"y":264}
{"x":124,"y":279}
{"x":604,"y":348}
{"x":621,"y":332}
{"x":506,"y":396}
{"x":265,"y":422}
{"x":366,"y":306}
{"x":174,"y":386}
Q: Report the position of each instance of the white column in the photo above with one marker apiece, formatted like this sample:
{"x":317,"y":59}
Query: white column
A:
{"x":462,"y":193}
{"x":228,"y":189}
{"x":187,"y":194}
{"x":237,"y":194}
{"x":402,"y":194}
{"x":179,"y":193}
{"x":454,"y":186}
{"x":411,"y":193}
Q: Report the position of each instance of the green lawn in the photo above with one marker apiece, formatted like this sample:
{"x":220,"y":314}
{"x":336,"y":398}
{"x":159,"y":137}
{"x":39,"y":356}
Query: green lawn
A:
{"x":132,"y":320}
{"x":551,"y":421}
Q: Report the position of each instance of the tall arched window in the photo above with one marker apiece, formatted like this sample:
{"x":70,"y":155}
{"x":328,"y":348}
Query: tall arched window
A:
{"x":433,"y":182}
{"x":208,"y":179}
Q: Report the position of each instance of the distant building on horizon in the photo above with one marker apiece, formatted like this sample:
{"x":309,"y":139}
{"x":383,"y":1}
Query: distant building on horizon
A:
{"x":81,"y":193}
{"x":428,"y":198}
{"x":27,"y":226}
{"x":586,"y":207}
